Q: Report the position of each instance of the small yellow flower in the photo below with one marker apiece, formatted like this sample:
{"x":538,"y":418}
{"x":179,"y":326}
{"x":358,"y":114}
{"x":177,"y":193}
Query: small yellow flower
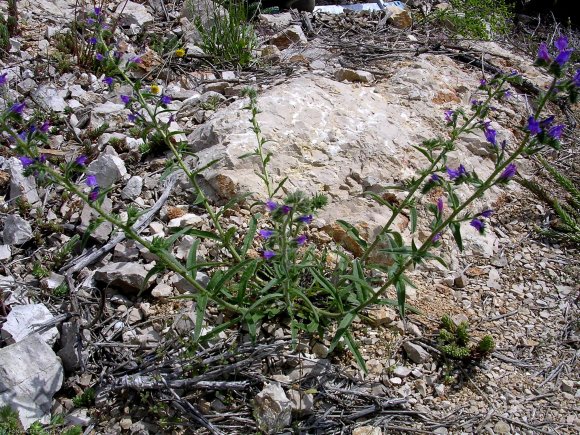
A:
{"x":155,"y":89}
{"x":180,"y":52}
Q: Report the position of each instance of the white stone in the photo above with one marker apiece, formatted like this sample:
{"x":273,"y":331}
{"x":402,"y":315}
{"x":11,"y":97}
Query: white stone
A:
{"x":301,"y":402}
{"x":272,"y":409}
{"x":23,"y":320}
{"x":17,"y":231}
{"x":5,"y":252}
{"x":367,"y":430}
{"x":30,"y":375}
{"x":133,"y":188}
{"x":21,"y":186}
{"x":131,"y":13}
{"x":50,"y":98}
{"x":107,"y":169}
{"x":187,"y":220}
{"x":162,"y":291}
{"x":416,"y":353}
{"x":129,"y":277}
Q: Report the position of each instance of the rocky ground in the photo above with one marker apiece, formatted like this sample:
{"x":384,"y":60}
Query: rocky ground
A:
{"x":342,"y":103}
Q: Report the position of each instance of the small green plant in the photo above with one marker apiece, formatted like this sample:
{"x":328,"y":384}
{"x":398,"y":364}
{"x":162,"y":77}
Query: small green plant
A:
{"x":39,"y":271}
{"x":566,"y":228}
{"x":86,"y":398}
{"x":230,"y":38}
{"x":211,"y":103}
{"x":477,"y":19}
{"x":4,"y":37}
{"x":9,"y":421}
{"x":61,"y":291}
{"x":55,"y":427}
{"x":454,"y":342}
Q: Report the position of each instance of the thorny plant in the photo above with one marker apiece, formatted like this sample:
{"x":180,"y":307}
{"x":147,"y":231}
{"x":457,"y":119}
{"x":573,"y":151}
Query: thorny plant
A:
{"x":290,"y":280}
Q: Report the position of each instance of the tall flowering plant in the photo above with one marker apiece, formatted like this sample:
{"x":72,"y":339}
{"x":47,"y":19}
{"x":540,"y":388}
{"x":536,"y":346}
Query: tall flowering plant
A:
{"x":271,"y":269}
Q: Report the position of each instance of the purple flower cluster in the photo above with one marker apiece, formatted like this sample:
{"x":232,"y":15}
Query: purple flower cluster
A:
{"x":27,"y":161}
{"x":3,"y":79}
{"x":91,"y":181}
{"x":536,"y":127}
{"x":456,"y":174}
{"x":563,"y":55}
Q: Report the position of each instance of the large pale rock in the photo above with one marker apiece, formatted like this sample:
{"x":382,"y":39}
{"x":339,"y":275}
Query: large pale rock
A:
{"x":23,"y":320}
{"x":129,"y":277}
{"x":30,"y":375}
{"x":17,"y":231}
{"x":50,"y":98}
{"x":272,"y":409}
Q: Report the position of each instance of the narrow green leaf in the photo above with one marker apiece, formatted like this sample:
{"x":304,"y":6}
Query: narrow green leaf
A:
{"x":249,"y":238}
{"x":413,"y":219}
{"x":351,"y":343}
{"x":200,"y":307}
{"x":456,"y":231}
{"x":204,"y":234}
{"x":401,"y":296}
{"x":342,"y":329}
{"x":191,"y":261}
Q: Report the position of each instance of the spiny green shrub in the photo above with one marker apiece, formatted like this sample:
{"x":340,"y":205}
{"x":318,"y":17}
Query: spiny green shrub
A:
{"x":9,"y":422}
{"x":454,"y":341}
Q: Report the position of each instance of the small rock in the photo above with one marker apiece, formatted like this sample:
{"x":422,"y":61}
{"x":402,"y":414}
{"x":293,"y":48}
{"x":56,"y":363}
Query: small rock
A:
{"x":375,"y":367}
{"x":568,"y":386}
{"x":79,"y":417}
{"x":68,"y":353}
{"x":133,"y":14}
{"x":309,"y":368}
{"x":133,"y":188}
{"x":367,"y":430}
{"x":125,"y":276}
{"x":301,"y":402}
{"x":402,"y":371}
{"x":162,"y":291}
{"x":107,"y":169}
{"x":440,"y":390}
{"x":460,"y":281}
{"x":400,"y":17}
{"x":5,"y":252}
{"x":134,"y":315}
{"x":30,"y":375}
{"x":458,"y":319}
{"x":287,"y":37}
{"x":382,"y":315}
{"x":186,"y":220}
{"x":501,"y":427}
{"x":17,"y":231}
{"x":416,"y":353}
{"x":499,"y":261}
{"x":320,"y":350}
{"x":272,"y":409}
{"x":125,"y":423}
{"x":21,"y":186}
{"x":396,"y":381}
{"x":21,"y":322}
{"x":351,"y":75}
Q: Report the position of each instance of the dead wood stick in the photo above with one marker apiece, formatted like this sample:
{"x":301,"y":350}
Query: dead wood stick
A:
{"x":90,"y":257}
{"x":138,"y":382}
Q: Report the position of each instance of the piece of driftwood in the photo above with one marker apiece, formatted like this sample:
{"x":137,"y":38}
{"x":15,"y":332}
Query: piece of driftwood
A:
{"x":91,"y":256}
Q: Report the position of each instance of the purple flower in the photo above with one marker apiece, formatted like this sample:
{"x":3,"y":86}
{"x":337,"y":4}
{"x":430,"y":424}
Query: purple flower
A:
{"x":454,"y":174}
{"x":268,"y":255}
{"x":165,"y":100}
{"x":546,"y":122}
{"x":563,"y":57}
{"x":26,"y":161}
{"x":486,"y":213}
{"x":266,"y":234}
{"x":533,"y":126}
{"x":306,"y":219}
{"x":44,"y":127}
{"x":482,"y":82}
{"x":82,"y":161}
{"x":97,"y":11}
{"x":507,"y":94}
{"x":92,"y":40}
{"x":490,"y":134}
{"x":132,"y":117}
{"x":99,"y":57}
{"x":271,"y":205}
{"x":448,"y":116}
{"x":508,"y":172}
{"x":125,"y":99}
{"x":90,"y":21}
{"x":285,"y":209}
{"x":94,"y":194}
{"x":435,"y":178}
{"x":18,"y":108}
{"x":301,"y":240}
{"x":42,"y":158}
{"x":3,"y":79}
{"x":23,"y":135}
{"x":436,"y":237}
{"x":108,"y":81}
{"x":561,"y":43}
{"x":136,"y":59}
{"x":476,"y":103}
{"x":543,"y":53}
{"x":440,"y":205}
{"x":91,"y":180}
{"x":556,"y":131}
{"x":478,"y":225}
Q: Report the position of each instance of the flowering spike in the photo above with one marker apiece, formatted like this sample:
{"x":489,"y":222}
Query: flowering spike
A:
{"x":301,"y":239}
{"x":478,"y":225}
{"x":490,"y":135}
{"x":266,"y":234}
{"x":268,"y":255}
{"x":94,"y":194}
{"x":26,"y":161}
{"x":440,"y":205}
{"x":3,"y":79}
{"x":561,"y":43}
{"x":563,"y":57}
{"x":556,"y":131}
{"x":91,"y":180}
{"x":306,"y":219}
{"x":18,"y":108}
{"x":125,"y":99}
{"x":271,"y":205}
{"x":543,"y":53}
{"x":455,"y":174}
{"x":108,"y":81}
{"x":82,"y":161}
{"x":533,"y":126}
{"x":165,"y":100}
{"x":486,"y":213}
{"x":508,"y":172}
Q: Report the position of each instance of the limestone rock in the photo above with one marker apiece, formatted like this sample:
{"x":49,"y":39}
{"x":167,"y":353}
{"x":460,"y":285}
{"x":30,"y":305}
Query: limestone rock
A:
{"x":287,"y":37}
{"x":301,"y":402}
{"x":272,"y":409}
{"x":21,"y":322}
{"x":131,"y":13}
{"x":5,"y":252}
{"x":50,"y":98}
{"x":367,"y":430}
{"x":21,"y":186}
{"x":107,"y":169}
{"x":69,"y":341}
{"x":133,"y":188}
{"x":187,"y":220}
{"x":416,"y":353}
{"x":30,"y":375}
{"x":351,"y":75}
{"x":17,"y":231}
{"x":126,"y":276}
{"x":382,"y":315}
{"x":401,"y":18}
